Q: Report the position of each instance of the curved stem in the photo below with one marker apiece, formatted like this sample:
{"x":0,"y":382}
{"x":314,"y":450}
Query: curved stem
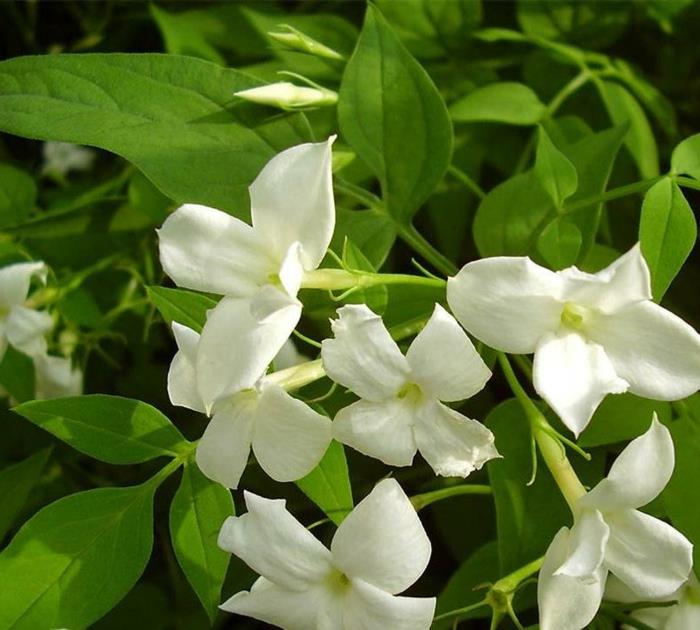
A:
{"x":460,"y":611}
{"x":427,"y":498}
{"x":459,"y":174}
{"x":414,"y":239}
{"x":614,"y":193}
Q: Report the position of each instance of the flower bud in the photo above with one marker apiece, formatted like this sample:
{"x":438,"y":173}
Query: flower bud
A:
{"x":288,"y":96}
{"x":298,"y":41}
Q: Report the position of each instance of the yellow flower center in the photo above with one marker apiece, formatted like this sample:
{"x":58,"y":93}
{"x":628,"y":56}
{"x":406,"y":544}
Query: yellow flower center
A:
{"x":574,"y":316}
{"x":338,"y":582}
{"x":411,"y":393}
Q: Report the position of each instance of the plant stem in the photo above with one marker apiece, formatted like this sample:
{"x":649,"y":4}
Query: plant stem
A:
{"x":614,"y":193}
{"x":461,"y":611}
{"x":427,"y":498}
{"x":414,"y":239}
{"x":511,"y":581}
{"x":459,"y":174}
{"x":572,"y":86}
{"x":687,"y":182}
{"x":338,"y":279}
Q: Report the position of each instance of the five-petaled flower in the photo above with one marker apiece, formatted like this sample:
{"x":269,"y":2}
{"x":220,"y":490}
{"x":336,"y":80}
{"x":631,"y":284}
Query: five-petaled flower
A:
{"x":592,"y":334}
{"x":611,"y":534}
{"x":400,"y":410}
{"x":257,"y":269}
{"x":379,"y":550}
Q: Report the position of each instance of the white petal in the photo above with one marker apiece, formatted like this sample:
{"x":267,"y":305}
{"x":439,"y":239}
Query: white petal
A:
{"x":382,"y":541}
{"x":223,"y":450}
{"x":566,"y":603}
{"x":383,"y":430}
{"x":655,"y":351}
{"x":587,"y":541}
{"x":509,"y":303}
{"x":288,"y":356}
{"x":648,"y":555}
{"x":624,"y":282}
{"x":240,"y":339}
{"x":444,"y":361}
{"x":685,"y":615}
{"x":290,"y":438}
{"x":275,"y":545}
{"x":15,"y":280}
{"x":182,"y":376}
{"x":286,"y":608}
{"x":56,"y":377}
{"x":25,"y":329}
{"x":573,"y":375}
{"x":363,"y":357}
{"x":451,"y":443}
{"x":292,"y":200}
{"x":370,"y":608}
{"x":292,"y":270}
{"x":206,"y":249}
{"x":639,"y":474}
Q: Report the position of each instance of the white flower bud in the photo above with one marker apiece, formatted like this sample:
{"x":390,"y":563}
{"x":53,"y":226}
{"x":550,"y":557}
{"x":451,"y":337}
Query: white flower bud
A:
{"x":298,"y":41}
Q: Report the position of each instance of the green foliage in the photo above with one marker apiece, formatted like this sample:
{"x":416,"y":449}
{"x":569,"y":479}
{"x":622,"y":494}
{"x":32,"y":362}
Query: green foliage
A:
{"x":555,"y":172}
{"x":17,"y":195}
{"x":181,"y":306}
{"x":686,"y":157}
{"x":510,"y":103}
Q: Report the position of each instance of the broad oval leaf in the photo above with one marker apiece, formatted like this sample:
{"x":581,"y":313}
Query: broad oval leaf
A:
{"x":178,"y":305}
{"x":392,"y":115}
{"x":76,"y":558}
{"x":173,"y":117}
{"x":110,"y":428}
{"x":559,"y":244}
{"x":197,"y":512}
{"x":686,"y":157}
{"x":554,"y":170}
{"x":667,"y":233}
{"x":507,"y":102}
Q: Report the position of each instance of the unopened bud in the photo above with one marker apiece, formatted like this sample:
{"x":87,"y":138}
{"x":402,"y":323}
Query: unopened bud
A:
{"x":288,"y":96}
{"x":296,"y":40}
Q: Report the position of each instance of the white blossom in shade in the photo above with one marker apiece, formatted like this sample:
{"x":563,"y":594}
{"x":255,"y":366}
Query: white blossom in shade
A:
{"x":258,"y":269}
{"x":21,"y":327}
{"x":288,"y":96}
{"x":611,"y":535}
{"x":62,"y":157}
{"x":56,"y":377}
{"x":378,"y":551}
{"x":287,"y":436}
{"x":400,"y":409}
{"x":592,"y":334}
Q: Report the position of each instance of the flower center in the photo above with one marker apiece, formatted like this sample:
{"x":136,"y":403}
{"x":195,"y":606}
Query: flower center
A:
{"x":338,"y":582}
{"x":411,"y":393}
{"x":574,"y":316}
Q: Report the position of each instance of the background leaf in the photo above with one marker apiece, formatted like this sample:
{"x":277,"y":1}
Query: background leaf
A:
{"x":508,"y":102}
{"x":686,"y":157}
{"x":17,"y":195}
{"x":554,"y":171}
{"x":182,"y":306}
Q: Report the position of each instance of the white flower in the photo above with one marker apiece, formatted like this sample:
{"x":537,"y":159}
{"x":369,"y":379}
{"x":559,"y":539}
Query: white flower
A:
{"x":56,"y":377}
{"x":592,"y":334}
{"x":400,"y":409}
{"x":21,"y":327}
{"x":257,"y":269}
{"x":610,"y":534}
{"x":286,"y":435}
{"x":379,"y":550}
{"x":62,"y":157}
{"x":288,"y":96}
{"x":288,"y":356}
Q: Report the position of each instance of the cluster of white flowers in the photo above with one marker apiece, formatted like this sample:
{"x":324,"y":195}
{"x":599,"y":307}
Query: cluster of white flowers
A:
{"x":591,"y":334}
{"x":25,"y":329}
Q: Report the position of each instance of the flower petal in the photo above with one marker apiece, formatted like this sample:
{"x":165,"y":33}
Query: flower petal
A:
{"x":275,"y":545}
{"x":292,"y":270}
{"x":685,"y":615}
{"x":383,"y":430}
{"x":206,"y":249}
{"x":451,"y":443}
{"x":240,"y":339}
{"x":382,"y":541}
{"x":655,"y":351}
{"x":587,"y":541}
{"x":25,"y":329}
{"x":15,"y":280}
{"x":573,"y":375}
{"x":444,"y":361}
{"x":370,"y":608}
{"x":182,"y":375}
{"x":286,"y":608}
{"x":288,"y":356}
{"x":509,"y":303}
{"x":638,"y":475}
{"x":290,"y":438}
{"x":363,"y":357}
{"x":566,"y":603}
{"x":223,"y":450}
{"x":56,"y":377}
{"x":292,"y":200}
{"x":648,"y":555}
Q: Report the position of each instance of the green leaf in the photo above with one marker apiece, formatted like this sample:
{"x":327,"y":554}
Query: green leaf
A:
{"x":110,"y":428}
{"x":623,"y":107}
{"x":554,"y":171}
{"x":178,"y":305}
{"x":183,"y":35}
{"x":197,"y":512}
{"x":17,"y":195}
{"x":16,"y":482}
{"x":508,"y":102}
{"x":392,"y":115}
{"x":559,"y":244}
{"x":372,"y":231}
{"x":376,"y":298}
{"x":685,"y":158}
{"x":667,"y":233}
{"x":621,"y":418}
{"x":76,"y":558}
{"x":173,"y":117}
{"x":17,"y":375}
{"x":328,"y":485}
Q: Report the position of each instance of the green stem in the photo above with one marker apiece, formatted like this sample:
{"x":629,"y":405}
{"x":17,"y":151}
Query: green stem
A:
{"x":687,"y":182}
{"x":427,"y":498}
{"x":510,"y":582}
{"x":339,"y":279}
{"x":357,"y":192}
{"x":467,"y":181}
{"x":167,"y":470}
{"x":460,"y":611}
{"x":614,"y":193}
{"x":570,"y":88}
{"x":414,"y":239}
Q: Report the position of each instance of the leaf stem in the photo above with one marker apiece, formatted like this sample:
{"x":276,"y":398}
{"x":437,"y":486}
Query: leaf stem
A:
{"x":460,"y":175}
{"x":460,"y":611}
{"x":614,"y":193}
{"x":414,"y":239}
{"x":427,"y":498}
